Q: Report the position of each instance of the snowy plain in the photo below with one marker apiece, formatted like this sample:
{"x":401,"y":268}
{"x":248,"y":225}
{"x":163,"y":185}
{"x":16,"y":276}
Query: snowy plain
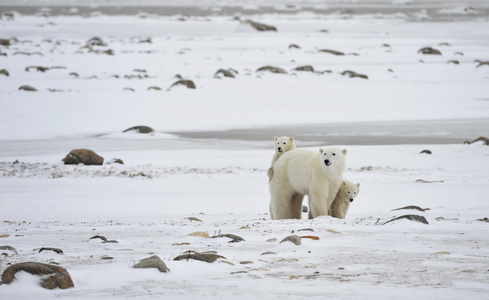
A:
{"x":210,"y":152}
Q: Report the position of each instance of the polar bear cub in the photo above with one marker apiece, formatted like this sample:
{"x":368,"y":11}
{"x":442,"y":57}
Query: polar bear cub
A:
{"x":282,"y":145}
{"x":347,"y":193}
{"x":300,"y":172}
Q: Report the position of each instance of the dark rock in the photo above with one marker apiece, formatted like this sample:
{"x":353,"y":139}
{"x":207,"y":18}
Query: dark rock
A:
{"x":207,"y":257}
{"x":429,"y":50}
{"x":304,"y":69}
{"x":38,"y":68}
{"x":416,"y":218}
{"x":156,"y":88}
{"x":412,"y":207}
{"x":5,"y":42}
{"x":60,"y":278}
{"x":7,"y":247}
{"x":226,"y":73}
{"x":57,"y":250}
{"x":152,"y":262}
{"x":353,"y":74}
{"x":426,"y":151}
{"x":95,"y":41}
{"x":294,"y":46}
{"x":4,"y":72}
{"x":268,"y":253}
{"x":453,"y":61}
{"x":140,"y":129}
{"x":334,"y":52}
{"x":83,"y":156}
{"x":188,"y":83}
{"x":27,"y":88}
{"x":103,"y":238}
{"x":484,"y":140}
{"x":304,"y":208}
{"x":271,"y":69}
{"x":484,"y":220}
{"x":234,"y":238}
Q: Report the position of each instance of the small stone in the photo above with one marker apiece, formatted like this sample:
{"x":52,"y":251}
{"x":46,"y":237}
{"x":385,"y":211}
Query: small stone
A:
{"x":272,"y":240}
{"x":106,"y":257}
{"x":194,"y":219}
{"x":246,"y":262}
{"x":140,"y":129}
{"x":57,"y":250}
{"x":334,"y":52}
{"x":312,"y":237}
{"x":415,"y":218}
{"x":4,"y":236}
{"x":268,"y":253}
{"x":272,"y":69}
{"x":27,"y":88}
{"x":429,"y":50}
{"x":442,"y":253}
{"x":353,"y":74}
{"x":304,"y":69}
{"x":156,"y":88}
{"x":411,"y":207}
{"x":188,"y":83}
{"x":426,"y":151}
{"x":83,"y":156}
{"x":199,"y":256}
{"x":4,"y":72}
{"x":333,"y":231}
{"x":245,"y":227}
{"x":293,"y":277}
{"x":305,"y":209}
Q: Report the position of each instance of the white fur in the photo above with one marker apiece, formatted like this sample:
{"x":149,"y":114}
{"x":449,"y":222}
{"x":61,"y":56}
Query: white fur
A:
{"x":282,"y":145}
{"x":346,"y":194}
{"x":300,"y":172}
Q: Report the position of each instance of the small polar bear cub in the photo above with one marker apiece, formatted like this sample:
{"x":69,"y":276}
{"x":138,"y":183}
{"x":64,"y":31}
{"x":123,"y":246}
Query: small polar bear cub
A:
{"x":282,"y":145}
{"x":347,"y":193}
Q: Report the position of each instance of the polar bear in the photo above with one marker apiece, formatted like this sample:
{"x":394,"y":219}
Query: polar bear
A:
{"x":299,"y":172}
{"x":347,"y":193}
{"x":282,"y":145}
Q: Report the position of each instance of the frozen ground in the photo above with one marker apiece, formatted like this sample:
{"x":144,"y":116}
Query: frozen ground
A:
{"x":212,"y":146}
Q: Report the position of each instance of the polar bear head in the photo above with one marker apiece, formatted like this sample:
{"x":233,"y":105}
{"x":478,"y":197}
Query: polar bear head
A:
{"x":332,"y":160}
{"x":284,"y":144}
{"x":349,"y":190}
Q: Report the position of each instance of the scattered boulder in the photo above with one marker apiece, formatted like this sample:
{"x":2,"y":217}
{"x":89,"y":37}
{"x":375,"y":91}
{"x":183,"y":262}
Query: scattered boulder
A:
{"x":261,"y":26}
{"x":207,"y":257}
{"x":4,"y":72}
{"x":415,"y":218}
{"x":59,"y":277}
{"x":152,"y":262}
{"x":484,"y":140}
{"x":294,"y":46}
{"x":95,"y":41}
{"x":292,"y":238}
{"x":425,"y":151}
{"x":38,"y":68}
{"x":27,"y":88}
{"x":429,"y":50}
{"x":334,"y":52}
{"x":412,"y":207}
{"x":57,"y":250}
{"x":271,"y":69}
{"x":5,"y":42}
{"x":304,"y":69}
{"x":188,"y":83}
{"x":234,"y":238}
{"x":227,"y":73}
{"x":83,"y":156}
{"x":353,"y":74}
{"x":140,"y":129}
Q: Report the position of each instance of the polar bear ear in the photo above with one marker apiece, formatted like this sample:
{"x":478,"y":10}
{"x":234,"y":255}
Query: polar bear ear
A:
{"x":358,"y":184}
{"x":275,"y":138}
{"x":321,"y":150}
{"x":344,"y":151}
{"x":292,"y":139}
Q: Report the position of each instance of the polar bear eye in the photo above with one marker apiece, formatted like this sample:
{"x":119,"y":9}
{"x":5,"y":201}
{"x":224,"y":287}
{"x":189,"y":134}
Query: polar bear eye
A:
{"x":334,"y":154}
{"x":348,"y":192}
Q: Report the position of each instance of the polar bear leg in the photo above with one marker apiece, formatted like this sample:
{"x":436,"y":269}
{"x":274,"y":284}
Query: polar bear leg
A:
{"x":318,"y":202}
{"x":296,"y":206}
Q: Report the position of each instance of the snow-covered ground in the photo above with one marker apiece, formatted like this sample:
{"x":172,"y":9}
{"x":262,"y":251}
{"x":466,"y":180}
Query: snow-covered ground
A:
{"x":210,"y":152}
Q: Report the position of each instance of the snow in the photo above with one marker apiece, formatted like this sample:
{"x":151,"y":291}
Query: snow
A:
{"x":211,"y":148}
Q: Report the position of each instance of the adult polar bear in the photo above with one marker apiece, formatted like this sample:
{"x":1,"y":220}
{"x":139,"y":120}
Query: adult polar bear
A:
{"x":299,"y":172}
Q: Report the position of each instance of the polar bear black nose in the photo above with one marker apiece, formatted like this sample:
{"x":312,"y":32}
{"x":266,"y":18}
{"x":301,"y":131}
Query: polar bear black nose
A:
{"x":279,"y":149}
{"x":351,"y":200}
{"x":327,"y":162}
